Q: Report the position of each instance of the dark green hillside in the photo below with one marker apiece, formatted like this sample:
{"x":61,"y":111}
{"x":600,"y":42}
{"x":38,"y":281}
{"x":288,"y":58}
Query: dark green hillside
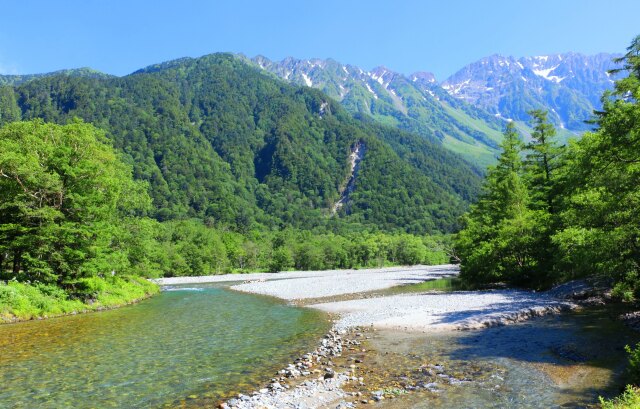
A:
{"x":219,"y":140}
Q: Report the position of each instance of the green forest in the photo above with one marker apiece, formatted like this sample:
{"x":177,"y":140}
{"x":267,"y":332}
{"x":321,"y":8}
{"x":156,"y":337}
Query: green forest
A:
{"x":77,"y":227}
{"x":221,"y":141}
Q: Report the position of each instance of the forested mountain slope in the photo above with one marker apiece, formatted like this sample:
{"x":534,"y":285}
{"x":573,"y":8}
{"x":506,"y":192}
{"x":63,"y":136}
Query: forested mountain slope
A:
{"x":75,"y":72}
{"x":220,"y":140}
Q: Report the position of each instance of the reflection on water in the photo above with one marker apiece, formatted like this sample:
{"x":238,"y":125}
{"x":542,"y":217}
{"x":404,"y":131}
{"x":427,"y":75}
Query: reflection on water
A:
{"x":551,"y":362}
{"x":195,"y":346}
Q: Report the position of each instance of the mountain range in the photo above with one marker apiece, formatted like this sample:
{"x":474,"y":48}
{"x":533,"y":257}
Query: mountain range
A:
{"x":415,"y":103}
{"x":466,"y":113}
{"x":568,"y":85}
{"x":223,"y":141}
{"x":243,"y":142}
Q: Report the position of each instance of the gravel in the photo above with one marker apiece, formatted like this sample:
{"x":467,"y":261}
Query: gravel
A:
{"x":316,"y":284}
{"x":445,"y":311}
{"x":416,"y":312}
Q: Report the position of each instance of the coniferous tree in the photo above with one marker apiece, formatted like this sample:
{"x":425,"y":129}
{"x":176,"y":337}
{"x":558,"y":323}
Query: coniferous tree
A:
{"x":542,"y":161}
{"x":9,"y":110}
{"x":500,"y":233}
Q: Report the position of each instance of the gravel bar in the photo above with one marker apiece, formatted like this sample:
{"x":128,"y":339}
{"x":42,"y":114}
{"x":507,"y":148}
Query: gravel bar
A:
{"x":445,"y":311}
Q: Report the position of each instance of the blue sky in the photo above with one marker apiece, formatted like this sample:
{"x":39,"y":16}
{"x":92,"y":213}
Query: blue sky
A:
{"x":119,"y":37}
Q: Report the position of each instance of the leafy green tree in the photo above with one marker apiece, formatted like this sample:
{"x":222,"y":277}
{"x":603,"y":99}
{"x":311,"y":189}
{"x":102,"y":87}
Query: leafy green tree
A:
{"x":60,"y":192}
{"x":601,"y":217}
{"x":281,"y":260}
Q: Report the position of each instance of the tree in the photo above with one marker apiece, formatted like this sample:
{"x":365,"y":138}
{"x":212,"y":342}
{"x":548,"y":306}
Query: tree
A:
{"x":542,"y":160}
{"x":61,"y":192}
{"x":601,"y":213}
{"x":500,"y":232}
{"x":9,"y":110}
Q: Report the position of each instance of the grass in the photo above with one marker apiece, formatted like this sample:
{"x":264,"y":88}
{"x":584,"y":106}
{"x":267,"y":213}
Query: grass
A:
{"x":24,"y":301}
{"x":476,"y":153}
{"x":630,"y":399}
{"x":474,"y":123}
{"x":440,"y":284}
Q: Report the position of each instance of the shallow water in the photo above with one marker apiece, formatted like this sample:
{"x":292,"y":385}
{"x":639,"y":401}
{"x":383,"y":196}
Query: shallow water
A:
{"x":185,"y":347}
{"x":563,"y":361}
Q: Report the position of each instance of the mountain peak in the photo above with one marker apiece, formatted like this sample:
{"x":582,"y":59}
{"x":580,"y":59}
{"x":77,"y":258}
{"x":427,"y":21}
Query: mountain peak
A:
{"x":423,"y":76}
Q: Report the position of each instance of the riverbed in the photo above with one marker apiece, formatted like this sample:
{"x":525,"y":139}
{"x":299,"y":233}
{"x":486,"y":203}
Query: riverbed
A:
{"x":198,"y":343}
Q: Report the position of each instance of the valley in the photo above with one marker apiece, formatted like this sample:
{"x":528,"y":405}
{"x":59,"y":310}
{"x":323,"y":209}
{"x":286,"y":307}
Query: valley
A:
{"x":231,"y":230}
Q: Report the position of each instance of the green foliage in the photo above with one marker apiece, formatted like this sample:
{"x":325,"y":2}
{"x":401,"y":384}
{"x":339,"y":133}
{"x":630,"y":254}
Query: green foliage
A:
{"x":601,"y":193}
{"x":60,"y":194}
{"x":633,"y":370}
{"x":500,"y":240}
{"x":9,"y":110}
{"x":630,"y":399}
{"x":27,"y":301}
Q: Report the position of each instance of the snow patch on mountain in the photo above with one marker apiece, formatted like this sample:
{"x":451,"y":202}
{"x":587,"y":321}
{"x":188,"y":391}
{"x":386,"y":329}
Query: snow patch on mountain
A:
{"x":545,"y":73}
{"x":371,"y":91}
{"x":307,"y":80}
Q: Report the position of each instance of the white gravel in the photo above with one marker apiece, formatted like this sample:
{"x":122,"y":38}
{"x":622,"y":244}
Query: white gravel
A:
{"x":445,"y":311}
{"x":296,"y":285}
{"x":317,"y":284}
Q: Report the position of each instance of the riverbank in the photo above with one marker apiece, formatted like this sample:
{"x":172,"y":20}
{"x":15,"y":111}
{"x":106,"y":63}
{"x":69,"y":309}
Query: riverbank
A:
{"x":351,"y":297}
{"x":23,"y":301}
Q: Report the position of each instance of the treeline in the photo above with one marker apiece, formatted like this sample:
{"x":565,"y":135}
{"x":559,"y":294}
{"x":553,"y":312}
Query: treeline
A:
{"x":188,"y":247}
{"x":550,"y":213}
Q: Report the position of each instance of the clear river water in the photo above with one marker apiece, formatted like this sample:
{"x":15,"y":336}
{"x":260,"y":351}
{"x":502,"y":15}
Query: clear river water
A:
{"x":192,"y":347}
{"x":184,"y":347}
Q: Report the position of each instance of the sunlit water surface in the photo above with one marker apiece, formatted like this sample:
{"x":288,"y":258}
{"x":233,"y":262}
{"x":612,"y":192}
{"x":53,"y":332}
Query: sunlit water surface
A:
{"x":187,"y":347}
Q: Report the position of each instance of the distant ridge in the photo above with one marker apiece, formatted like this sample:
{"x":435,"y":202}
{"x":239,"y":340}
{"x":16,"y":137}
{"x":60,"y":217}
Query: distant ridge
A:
{"x":74,"y":72}
{"x":568,"y":85}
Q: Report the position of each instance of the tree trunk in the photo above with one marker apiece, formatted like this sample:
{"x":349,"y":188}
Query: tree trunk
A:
{"x":17,"y":258}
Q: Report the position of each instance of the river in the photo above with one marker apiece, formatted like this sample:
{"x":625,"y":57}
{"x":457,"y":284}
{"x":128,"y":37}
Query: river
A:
{"x":193,"y":346}
{"x":190,"y":346}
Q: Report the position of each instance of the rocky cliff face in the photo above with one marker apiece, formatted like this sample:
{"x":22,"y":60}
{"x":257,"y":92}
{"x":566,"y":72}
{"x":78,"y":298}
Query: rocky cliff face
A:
{"x":568,"y":85}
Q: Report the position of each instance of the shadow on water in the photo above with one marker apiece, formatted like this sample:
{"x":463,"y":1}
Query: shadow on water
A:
{"x":591,"y":335}
{"x":559,"y":361}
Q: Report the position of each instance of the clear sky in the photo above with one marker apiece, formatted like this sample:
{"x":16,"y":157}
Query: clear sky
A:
{"x":118,"y":37}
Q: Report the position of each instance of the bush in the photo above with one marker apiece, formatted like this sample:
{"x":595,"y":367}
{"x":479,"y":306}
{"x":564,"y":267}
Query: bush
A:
{"x":630,"y":399}
{"x":633,"y":370}
{"x":25,"y":301}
